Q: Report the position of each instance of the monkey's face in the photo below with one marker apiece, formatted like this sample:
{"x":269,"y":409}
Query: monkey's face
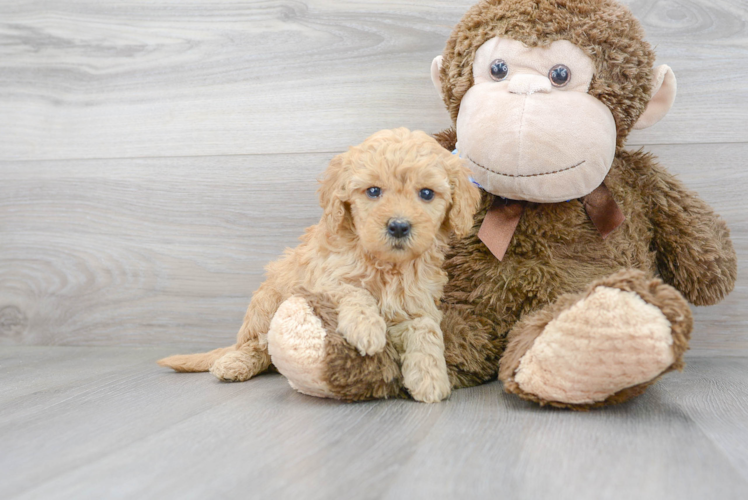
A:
{"x":528,"y":128}
{"x":543,"y":92}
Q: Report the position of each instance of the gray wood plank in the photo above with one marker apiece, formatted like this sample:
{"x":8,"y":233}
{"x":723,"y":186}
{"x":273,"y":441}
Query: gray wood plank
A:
{"x":168,"y":251}
{"x":289,"y":436}
{"x":103,"y":79}
{"x":26,"y":370}
{"x":649,"y":448}
{"x":704,"y":41}
{"x":155,"y":434}
{"x":52,"y":426}
{"x":137,"y":252}
{"x":714,"y":394}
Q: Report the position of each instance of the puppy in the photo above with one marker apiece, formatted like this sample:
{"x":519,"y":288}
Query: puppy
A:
{"x":390,"y":205}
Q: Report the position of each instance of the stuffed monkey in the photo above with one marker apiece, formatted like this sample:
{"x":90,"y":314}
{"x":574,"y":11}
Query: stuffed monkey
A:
{"x":573,"y":285}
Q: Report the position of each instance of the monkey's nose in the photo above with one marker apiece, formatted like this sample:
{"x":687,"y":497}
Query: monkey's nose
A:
{"x":529,"y":84}
{"x":398,"y":228}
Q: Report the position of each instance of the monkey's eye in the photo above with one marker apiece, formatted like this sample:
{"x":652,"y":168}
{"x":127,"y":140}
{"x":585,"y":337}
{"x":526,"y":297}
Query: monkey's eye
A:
{"x":374,"y":192}
{"x":559,"y":75}
{"x":426,"y":194}
{"x":499,"y":70}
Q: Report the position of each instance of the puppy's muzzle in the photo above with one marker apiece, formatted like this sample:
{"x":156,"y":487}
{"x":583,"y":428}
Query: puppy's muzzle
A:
{"x":398,"y":228}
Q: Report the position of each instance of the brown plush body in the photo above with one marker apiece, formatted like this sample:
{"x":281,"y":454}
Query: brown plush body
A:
{"x":567,"y":317}
{"x":556,"y":250}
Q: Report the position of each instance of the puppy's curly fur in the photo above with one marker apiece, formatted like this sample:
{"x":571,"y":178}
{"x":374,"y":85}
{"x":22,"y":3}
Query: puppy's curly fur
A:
{"x":383,"y":290}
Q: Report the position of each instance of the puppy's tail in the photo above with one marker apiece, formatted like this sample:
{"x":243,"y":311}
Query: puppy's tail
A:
{"x":201,"y":362}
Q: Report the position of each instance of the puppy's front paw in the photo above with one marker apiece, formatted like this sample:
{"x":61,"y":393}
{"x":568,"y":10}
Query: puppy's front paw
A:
{"x":426,"y":378}
{"x":365,"y":331}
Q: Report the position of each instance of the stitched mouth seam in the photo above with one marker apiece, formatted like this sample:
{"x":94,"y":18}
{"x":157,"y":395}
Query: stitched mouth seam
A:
{"x":528,"y":175}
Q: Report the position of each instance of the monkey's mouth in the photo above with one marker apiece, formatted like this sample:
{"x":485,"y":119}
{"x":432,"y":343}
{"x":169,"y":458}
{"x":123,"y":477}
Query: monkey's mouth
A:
{"x":524,"y":175}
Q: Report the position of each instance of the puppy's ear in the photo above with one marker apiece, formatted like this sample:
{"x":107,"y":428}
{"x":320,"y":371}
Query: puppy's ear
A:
{"x":465,"y":197}
{"x":334,"y":193}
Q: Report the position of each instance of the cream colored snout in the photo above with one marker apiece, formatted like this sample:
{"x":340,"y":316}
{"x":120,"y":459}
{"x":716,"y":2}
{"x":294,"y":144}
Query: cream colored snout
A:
{"x":529,"y":84}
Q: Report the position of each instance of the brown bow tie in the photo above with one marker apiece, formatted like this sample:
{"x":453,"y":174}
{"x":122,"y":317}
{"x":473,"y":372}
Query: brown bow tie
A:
{"x":503,"y":216}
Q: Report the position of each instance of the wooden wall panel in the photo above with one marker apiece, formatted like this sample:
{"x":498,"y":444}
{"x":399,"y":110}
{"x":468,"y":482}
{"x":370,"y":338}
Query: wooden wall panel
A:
{"x":154,"y":155}
{"x":148,"y":251}
{"x":111,"y":79}
{"x":168,"y":251}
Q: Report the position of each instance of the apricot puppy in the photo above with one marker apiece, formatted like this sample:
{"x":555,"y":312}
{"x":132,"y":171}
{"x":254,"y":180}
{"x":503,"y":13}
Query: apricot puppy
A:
{"x":390,"y":205}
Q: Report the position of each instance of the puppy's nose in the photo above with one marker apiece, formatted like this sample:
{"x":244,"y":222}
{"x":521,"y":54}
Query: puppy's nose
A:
{"x":398,"y":228}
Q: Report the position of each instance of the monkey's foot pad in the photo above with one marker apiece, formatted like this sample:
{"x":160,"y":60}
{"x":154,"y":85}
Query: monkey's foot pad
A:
{"x":296,"y":343}
{"x":608,"y":341}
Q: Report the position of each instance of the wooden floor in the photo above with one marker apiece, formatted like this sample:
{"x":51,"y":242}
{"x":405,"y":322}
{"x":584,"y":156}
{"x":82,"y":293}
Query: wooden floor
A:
{"x":156,"y":154}
{"x":93,"y":423}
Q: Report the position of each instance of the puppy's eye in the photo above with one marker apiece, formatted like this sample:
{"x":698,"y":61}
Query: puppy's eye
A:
{"x":499,"y":70}
{"x":426,"y":194}
{"x":559,"y":75}
{"x":374,"y":192}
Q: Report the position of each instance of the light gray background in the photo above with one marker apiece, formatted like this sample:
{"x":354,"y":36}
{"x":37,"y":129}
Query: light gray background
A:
{"x":156,"y":154}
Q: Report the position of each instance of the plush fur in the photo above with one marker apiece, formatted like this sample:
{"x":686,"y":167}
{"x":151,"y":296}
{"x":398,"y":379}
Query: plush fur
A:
{"x":651,"y":291}
{"x":672,"y":248}
{"x":377,"y":292}
{"x":556,"y":252}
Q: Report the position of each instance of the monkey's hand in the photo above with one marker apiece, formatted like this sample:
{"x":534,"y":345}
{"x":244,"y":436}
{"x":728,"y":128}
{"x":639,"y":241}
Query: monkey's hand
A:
{"x":694,"y":251}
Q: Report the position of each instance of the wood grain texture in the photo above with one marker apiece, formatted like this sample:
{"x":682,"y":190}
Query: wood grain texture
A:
{"x":126,"y":428}
{"x":647,"y":449}
{"x":144,"y":252}
{"x":156,"y":154}
{"x":168,"y":251}
{"x":155,"y":78}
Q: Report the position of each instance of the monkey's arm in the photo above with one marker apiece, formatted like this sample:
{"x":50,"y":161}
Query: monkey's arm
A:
{"x":694,"y":251}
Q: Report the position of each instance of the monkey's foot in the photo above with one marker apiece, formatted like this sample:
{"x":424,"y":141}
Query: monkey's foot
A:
{"x":317,"y":360}
{"x":296,"y":343}
{"x":604,"y":346}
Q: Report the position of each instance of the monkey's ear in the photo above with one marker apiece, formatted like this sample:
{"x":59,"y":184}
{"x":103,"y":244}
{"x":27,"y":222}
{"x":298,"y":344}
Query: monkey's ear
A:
{"x":436,"y":68}
{"x":664,"y":88}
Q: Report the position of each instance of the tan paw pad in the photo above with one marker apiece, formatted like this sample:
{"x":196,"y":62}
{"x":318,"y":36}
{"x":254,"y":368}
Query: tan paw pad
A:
{"x":603,"y":344}
{"x":296,"y":343}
